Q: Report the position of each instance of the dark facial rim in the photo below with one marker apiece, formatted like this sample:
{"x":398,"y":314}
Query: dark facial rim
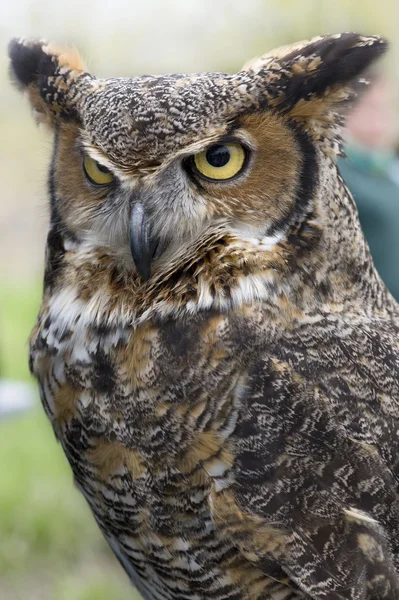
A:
{"x":192,"y":170}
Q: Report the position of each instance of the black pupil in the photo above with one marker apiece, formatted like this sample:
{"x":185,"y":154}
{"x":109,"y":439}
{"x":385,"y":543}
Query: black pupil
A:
{"x":102,"y":168}
{"x":218,"y":156}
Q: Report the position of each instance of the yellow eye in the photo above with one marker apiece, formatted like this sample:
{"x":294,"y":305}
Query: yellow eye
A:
{"x":220,"y":161}
{"x":97,"y":174}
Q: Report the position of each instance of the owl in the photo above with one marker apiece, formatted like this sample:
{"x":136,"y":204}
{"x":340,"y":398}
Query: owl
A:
{"x":215,"y":351}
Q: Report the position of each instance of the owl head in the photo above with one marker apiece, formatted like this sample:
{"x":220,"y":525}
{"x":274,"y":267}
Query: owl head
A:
{"x":156,"y":170}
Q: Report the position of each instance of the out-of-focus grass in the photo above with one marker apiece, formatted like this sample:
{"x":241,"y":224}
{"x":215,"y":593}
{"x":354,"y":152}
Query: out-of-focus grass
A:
{"x":50,"y":546}
{"x":19,"y":306}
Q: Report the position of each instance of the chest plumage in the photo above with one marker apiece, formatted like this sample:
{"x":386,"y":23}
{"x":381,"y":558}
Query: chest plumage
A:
{"x":214,"y":349}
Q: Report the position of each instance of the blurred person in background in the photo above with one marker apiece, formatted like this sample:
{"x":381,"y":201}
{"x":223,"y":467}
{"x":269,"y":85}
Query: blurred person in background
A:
{"x":371,"y":171}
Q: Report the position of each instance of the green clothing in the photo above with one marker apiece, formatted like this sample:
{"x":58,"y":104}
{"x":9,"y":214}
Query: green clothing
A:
{"x":377,"y":198}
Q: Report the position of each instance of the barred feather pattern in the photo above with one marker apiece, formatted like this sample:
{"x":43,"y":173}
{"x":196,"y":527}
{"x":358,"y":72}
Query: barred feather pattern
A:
{"x":233,"y":420}
{"x":244,"y":453}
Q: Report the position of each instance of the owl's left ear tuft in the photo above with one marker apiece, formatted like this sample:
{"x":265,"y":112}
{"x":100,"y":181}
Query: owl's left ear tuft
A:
{"x":318,"y":76}
{"x":334,"y":60}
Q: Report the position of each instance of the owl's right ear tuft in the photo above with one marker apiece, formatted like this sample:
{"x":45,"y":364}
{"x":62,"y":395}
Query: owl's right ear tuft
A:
{"x":26,"y":58}
{"x":29,"y":65}
{"x":48,"y":75}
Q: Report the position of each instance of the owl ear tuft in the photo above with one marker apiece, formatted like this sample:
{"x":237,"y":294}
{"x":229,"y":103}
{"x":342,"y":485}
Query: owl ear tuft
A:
{"x":331,"y":62}
{"x":25,"y":61}
{"x":48,"y":75}
{"x":316,"y":77}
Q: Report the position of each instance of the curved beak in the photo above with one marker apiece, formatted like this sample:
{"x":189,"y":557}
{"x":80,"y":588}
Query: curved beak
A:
{"x":143,"y":247}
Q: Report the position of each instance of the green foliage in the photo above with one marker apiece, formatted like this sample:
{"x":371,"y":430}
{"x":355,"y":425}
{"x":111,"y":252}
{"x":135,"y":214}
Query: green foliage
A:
{"x":18,"y":309}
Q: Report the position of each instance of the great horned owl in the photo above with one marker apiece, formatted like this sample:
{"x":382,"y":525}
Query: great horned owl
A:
{"x":215,"y":350}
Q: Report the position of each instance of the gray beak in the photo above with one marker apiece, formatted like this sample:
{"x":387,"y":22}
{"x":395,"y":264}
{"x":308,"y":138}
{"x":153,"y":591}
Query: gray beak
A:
{"x":143,"y":246}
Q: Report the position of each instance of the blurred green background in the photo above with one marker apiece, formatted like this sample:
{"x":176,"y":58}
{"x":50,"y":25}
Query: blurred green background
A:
{"x":49,"y":545}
